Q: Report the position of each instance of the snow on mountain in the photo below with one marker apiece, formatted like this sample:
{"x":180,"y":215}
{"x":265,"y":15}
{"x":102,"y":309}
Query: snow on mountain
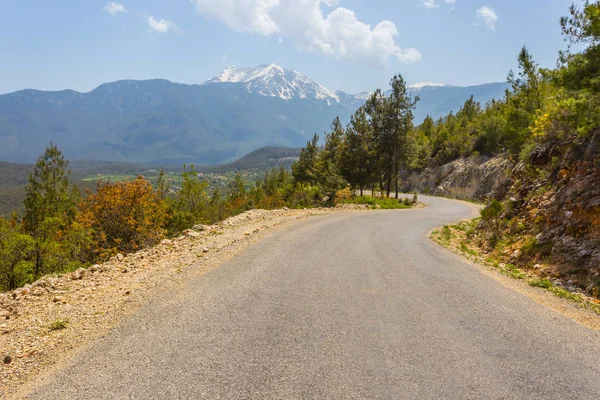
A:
{"x":272,"y":80}
{"x":421,"y":85}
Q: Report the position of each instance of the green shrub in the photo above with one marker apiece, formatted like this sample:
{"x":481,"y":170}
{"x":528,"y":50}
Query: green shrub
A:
{"x":541,"y":282}
{"x":59,"y":324}
{"x":446,"y":233}
{"x":380,"y":202}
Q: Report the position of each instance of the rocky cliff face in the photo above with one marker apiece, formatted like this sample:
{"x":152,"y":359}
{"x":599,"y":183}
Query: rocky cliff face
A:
{"x":472,"y":178}
{"x":553,"y":201}
{"x":549,"y":217}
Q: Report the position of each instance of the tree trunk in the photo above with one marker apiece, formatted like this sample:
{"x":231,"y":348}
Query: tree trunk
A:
{"x":388,"y":187}
{"x":38,"y":262}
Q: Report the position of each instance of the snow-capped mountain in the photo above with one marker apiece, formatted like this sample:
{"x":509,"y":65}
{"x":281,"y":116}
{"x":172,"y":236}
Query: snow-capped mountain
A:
{"x":161,"y":122}
{"x":275,"y":81}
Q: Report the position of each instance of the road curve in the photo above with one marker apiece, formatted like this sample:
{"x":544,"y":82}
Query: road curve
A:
{"x":344,"y":306}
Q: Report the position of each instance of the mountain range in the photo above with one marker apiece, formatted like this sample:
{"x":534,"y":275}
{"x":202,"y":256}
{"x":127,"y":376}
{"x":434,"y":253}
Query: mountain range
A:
{"x":162,"y":122}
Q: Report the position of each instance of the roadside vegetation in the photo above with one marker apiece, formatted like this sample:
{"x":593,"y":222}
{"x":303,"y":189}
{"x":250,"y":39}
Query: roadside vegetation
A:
{"x":62,"y":229}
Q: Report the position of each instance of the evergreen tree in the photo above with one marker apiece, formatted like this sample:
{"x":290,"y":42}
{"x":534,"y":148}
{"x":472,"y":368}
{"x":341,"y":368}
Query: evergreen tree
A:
{"x":375,"y":107}
{"x":237,"y":190}
{"x":399,"y":122}
{"x":357,"y":163}
{"x":305,"y":169}
{"x":420,"y":144}
{"x":329,"y":160}
{"x":581,"y":71}
{"x":190,"y":205}
{"x":49,"y":207}
{"x":523,"y":103}
{"x":162,"y":184}
{"x":217,"y":206}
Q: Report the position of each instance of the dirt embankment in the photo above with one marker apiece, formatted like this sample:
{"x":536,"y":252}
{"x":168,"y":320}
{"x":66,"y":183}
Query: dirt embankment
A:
{"x":45,"y":322}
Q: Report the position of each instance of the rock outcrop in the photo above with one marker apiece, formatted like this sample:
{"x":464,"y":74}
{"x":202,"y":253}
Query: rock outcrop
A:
{"x":472,"y":178}
{"x":553,"y":201}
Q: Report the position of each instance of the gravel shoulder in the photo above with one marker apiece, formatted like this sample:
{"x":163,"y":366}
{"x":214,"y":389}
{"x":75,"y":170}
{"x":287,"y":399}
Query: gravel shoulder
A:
{"x":50,"y":321}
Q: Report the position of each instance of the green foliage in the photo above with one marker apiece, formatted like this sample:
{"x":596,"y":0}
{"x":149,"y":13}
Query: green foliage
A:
{"x":357,"y":161}
{"x":190,"y":205}
{"x":16,"y":251}
{"x":49,"y":209}
{"x":305,"y":169}
{"x":581,"y":71}
{"x":59,"y":324}
{"x":162,"y":184}
{"x":446,"y":233}
{"x":541,"y":282}
{"x":372,"y":150}
{"x":492,"y":211}
{"x":514,"y":272}
{"x":379,"y":202}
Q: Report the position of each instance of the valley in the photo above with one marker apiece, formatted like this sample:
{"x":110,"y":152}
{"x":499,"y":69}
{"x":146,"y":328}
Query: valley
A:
{"x":87,"y":174}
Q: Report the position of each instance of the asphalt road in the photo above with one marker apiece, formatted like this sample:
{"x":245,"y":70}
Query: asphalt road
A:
{"x":345,"y":306}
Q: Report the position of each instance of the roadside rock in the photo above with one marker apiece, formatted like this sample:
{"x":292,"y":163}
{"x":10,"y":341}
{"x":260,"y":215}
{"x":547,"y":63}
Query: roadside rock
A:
{"x":472,"y":178}
{"x":191,"y":233}
{"x":78,"y":274}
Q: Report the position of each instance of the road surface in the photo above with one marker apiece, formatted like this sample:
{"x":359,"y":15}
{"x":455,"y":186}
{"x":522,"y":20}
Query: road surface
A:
{"x":344,"y":306}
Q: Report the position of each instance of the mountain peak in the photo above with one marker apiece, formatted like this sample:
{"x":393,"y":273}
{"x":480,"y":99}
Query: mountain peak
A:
{"x":274,"y":81}
{"x":235,"y":74}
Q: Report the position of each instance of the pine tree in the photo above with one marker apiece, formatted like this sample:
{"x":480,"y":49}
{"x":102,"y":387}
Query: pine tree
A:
{"x":162,"y":184}
{"x":399,"y":122}
{"x":49,"y":206}
{"x":581,"y":71}
{"x":305,"y":169}
{"x":329,"y":160}
{"x":375,"y":109}
{"x":357,"y":164}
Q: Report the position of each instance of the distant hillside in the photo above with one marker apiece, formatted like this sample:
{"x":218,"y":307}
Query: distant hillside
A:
{"x":159,"y":122}
{"x":13,"y":177}
{"x":263,"y":158}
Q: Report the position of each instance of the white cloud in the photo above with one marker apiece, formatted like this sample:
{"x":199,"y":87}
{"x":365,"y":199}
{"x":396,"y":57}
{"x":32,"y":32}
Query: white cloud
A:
{"x":489,"y":16}
{"x":338,"y":34}
{"x":161,"y":25}
{"x":242,"y":15}
{"x":429,"y":3}
{"x":114,"y":8}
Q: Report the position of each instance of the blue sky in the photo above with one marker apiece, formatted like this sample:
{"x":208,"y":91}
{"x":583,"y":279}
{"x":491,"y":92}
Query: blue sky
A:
{"x":352,"y":45}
